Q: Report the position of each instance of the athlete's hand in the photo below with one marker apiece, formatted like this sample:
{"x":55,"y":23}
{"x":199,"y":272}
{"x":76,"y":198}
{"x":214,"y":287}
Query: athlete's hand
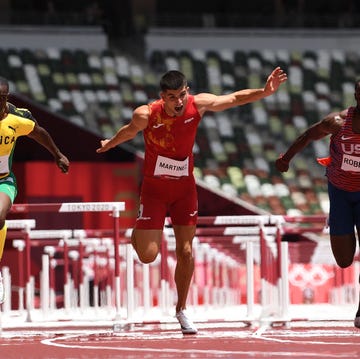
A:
{"x":274,"y":80}
{"x":281,"y":165}
{"x":63,"y":163}
{"x":104,"y":147}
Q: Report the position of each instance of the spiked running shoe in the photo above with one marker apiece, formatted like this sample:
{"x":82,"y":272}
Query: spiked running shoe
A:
{"x":187,"y":326}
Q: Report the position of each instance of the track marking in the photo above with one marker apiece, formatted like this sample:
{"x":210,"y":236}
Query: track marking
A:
{"x":52,"y":342}
{"x":333,"y":341}
{"x":261,"y":330}
{"x":192,"y":352}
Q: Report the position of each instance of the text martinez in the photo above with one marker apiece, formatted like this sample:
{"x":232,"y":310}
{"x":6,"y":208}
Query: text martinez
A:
{"x":172,"y":167}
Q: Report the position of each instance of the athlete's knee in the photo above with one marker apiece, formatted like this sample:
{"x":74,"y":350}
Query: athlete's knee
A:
{"x":184,"y":254}
{"x":344,"y":262}
{"x":147,"y":256}
{"x":147,"y":253}
{"x":343,"y":248}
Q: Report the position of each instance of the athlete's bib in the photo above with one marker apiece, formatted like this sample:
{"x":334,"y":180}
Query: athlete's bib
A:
{"x":350,"y":163}
{"x":168,"y":167}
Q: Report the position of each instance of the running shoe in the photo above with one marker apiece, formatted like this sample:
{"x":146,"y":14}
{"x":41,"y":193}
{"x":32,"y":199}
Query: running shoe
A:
{"x":187,"y":326}
{"x":2,"y":291}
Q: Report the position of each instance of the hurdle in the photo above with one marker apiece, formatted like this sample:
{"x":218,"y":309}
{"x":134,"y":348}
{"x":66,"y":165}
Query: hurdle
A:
{"x":260,"y":235}
{"x":220,"y":244}
{"x":114,"y":207}
{"x":78,"y":250}
{"x":23,"y":228}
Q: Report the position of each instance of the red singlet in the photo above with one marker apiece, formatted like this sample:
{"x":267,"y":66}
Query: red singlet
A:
{"x":168,"y":184}
{"x":344,"y":170}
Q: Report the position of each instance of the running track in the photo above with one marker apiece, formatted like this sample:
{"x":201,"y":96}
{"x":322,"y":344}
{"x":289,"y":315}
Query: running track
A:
{"x":217,"y":339}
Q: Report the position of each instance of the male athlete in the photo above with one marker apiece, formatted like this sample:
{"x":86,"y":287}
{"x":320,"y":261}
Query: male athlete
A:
{"x":169,"y":128}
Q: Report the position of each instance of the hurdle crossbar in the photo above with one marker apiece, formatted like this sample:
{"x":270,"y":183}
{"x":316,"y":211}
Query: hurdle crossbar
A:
{"x":68,"y":207}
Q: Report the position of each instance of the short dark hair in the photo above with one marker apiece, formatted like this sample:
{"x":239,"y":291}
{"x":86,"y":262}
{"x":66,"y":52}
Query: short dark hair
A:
{"x":172,"y":80}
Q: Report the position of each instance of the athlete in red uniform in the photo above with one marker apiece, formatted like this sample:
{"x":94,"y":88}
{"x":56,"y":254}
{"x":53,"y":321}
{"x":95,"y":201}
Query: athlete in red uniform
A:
{"x":169,"y":128}
{"x":343,"y":173}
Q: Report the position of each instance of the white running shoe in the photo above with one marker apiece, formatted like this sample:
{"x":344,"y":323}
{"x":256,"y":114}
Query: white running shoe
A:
{"x":357,"y":322}
{"x":2,"y":290}
{"x":187,"y":326}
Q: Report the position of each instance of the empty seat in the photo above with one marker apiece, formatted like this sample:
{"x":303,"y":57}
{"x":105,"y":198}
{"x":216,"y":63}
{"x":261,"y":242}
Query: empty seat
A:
{"x":295,"y":76}
{"x":212,"y":181}
{"x":229,"y":189}
{"x":253,"y":185}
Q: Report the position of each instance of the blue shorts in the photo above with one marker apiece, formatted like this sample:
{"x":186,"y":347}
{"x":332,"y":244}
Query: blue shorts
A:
{"x":344,"y":210}
{"x":8,"y":186}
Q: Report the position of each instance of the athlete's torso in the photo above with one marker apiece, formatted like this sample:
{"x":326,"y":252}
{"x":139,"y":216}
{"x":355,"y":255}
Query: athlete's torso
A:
{"x":344,"y":169}
{"x":170,"y":138}
{"x":18,"y":122}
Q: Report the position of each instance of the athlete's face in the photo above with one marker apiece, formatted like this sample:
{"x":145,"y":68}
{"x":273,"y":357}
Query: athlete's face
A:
{"x":175,"y":101}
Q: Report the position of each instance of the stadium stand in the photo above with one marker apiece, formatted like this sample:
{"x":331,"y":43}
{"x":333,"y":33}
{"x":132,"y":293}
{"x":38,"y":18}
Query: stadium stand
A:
{"x":97,"y":89}
{"x":235,"y":150}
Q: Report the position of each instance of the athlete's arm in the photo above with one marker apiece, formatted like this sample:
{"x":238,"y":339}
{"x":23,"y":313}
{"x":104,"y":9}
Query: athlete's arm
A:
{"x":209,"y":102}
{"x":127,"y":132}
{"x":330,"y":124}
{"x":40,"y":135}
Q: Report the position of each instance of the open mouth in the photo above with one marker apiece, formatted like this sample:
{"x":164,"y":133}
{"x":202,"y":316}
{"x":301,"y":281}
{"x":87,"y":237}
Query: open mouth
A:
{"x":178,"y":108}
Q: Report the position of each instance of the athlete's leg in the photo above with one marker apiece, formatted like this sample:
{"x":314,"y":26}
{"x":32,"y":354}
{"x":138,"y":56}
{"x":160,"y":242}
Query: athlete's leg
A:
{"x":343,"y":248}
{"x":342,"y":220}
{"x":5,"y":205}
{"x":185,"y":262}
{"x":357,"y":222}
{"x":146,"y":243}
{"x":8,"y":191}
{"x":357,"y":315}
{"x":147,"y":233}
{"x":184,"y":213}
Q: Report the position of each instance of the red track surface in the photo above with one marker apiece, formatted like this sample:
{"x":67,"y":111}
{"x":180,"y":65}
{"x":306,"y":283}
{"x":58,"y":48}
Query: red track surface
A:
{"x":308,"y":339}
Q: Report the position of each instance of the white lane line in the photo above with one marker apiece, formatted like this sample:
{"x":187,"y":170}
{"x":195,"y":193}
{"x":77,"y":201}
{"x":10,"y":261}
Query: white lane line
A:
{"x":53,"y":342}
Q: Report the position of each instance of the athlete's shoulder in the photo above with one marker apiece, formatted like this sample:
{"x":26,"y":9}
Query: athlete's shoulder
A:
{"x":20,"y":112}
{"x":155,"y":104}
{"x":154,"y":107}
{"x":203,"y":101}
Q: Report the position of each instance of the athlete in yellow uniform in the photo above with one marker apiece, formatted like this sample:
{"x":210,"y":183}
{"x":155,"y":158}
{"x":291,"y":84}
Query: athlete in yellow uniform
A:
{"x":16,"y":122}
